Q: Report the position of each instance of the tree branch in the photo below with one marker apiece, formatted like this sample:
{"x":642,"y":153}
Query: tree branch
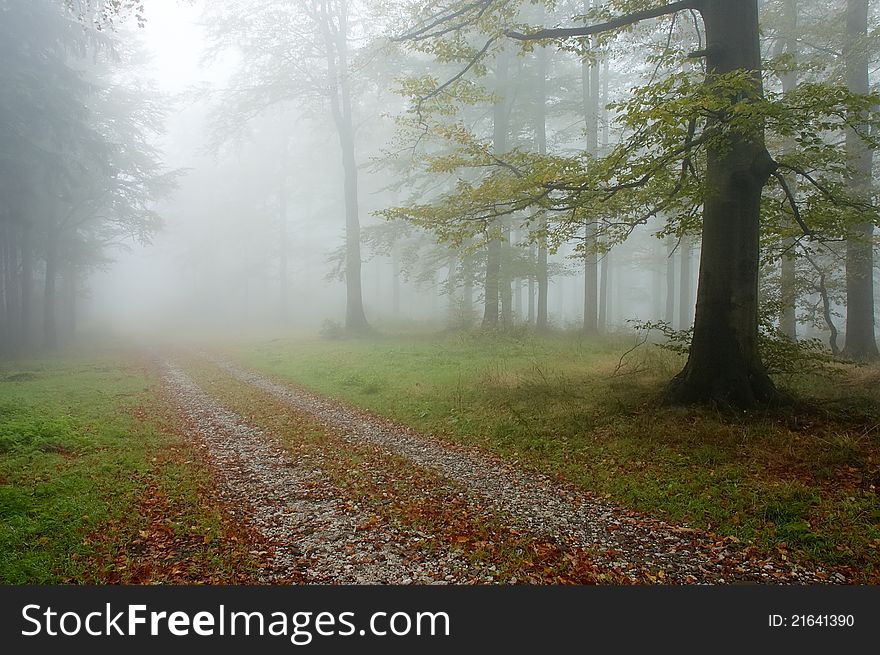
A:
{"x":616,"y":23}
{"x":792,"y":203}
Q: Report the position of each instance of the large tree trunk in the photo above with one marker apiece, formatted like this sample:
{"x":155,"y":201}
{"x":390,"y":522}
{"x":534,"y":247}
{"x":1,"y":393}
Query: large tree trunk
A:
{"x":340,"y":104}
{"x":860,"y":341}
{"x":724,"y":365}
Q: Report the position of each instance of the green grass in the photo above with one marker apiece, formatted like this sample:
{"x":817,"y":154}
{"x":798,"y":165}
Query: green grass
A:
{"x":77,"y":456}
{"x":791,"y":480}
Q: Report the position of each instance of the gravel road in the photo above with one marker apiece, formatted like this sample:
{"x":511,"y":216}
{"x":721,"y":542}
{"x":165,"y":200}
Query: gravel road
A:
{"x":616,"y":538}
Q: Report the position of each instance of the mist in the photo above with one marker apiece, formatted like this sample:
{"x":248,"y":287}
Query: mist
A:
{"x":485,"y":292}
{"x":215,"y":265}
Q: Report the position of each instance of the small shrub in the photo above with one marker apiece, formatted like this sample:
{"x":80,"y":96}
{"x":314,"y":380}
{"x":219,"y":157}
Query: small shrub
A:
{"x":331,"y":330}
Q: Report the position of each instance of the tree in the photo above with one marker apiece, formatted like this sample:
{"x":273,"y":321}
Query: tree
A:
{"x":296,"y":54}
{"x":860,"y":340}
{"x":724,"y":364}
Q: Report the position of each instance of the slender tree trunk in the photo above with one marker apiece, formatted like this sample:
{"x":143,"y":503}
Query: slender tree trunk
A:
{"x":591,"y":89}
{"x":724,"y":365}
{"x":395,"y":282}
{"x":506,"y":281}
{"x":495,"y":280}
{"x":7,"y":336}
{"x":282,"y":253}
{"x":560,"y":287}
{"x":603,"y":291}
{"x":533,"y":258}
{"x":452,"y":306}
{"x":491,"y":284}
{"x":670,"y":281}
{"x":657,"y":283}
{"x":788,"y":271}
{"x":541,"y":275}
{"x":71,"y":290}
{"x":50,"y":328}
{"x":686,"y":301}
{"x":517,"y":300}
{"x":340,"y":104}
{"x":27,"y":285}
{"x":468,"y":290}
{"x":860,"y":341}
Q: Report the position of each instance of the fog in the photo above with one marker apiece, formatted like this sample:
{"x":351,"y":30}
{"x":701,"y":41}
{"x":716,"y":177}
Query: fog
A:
{"x":214,"y":265}
{"x":288,"y":168}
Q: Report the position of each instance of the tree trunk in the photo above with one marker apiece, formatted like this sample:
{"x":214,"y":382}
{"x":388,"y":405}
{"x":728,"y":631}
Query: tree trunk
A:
{"x":496,"y":272}
{"x":282,"y":253}
{"x":788,"y":271}
{"x":493,"y":271}
{"x":533,"y":258}
{"x":541,"y":274}
{"x":591,"y":89}
{"x":603,"y":291}
{"x":670,"y":281}
{"x":467,"y":295}
{"x":27,"y":285}
{"x":395,"y":282}
{"x":517,"y":300}
{"x":724,"y":365}
{"x":860,"y":341}
{"x":340,"y":104}
{"x":506,"y":281}
{"x":452,"y":305}
{"x":685,"y":304}
{"x":71,"y":290}
{"x":50,"y":328}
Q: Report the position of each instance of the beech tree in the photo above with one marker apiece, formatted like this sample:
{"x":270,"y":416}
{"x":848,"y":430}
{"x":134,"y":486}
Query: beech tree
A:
{"x":296,"y":54}
{"x":697,"y":154}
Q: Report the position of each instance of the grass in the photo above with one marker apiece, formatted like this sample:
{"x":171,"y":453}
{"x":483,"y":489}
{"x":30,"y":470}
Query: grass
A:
{"x":801,"y":481}
{"x":97,"y":486}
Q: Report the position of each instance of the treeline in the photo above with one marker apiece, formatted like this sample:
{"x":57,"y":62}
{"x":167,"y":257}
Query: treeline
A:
{"x":78,"y":173}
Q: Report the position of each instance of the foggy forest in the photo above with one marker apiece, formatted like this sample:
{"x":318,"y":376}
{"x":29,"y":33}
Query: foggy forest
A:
{"x":468,"y":292}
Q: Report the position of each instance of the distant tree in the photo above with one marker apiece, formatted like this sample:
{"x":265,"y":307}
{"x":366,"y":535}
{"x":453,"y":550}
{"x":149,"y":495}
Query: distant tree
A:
{"x":76,"y":169}
{"x":300,"y":53}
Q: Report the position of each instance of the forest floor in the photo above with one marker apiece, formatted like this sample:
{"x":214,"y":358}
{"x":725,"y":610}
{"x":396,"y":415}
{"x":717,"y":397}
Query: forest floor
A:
{"x":416,"y":462}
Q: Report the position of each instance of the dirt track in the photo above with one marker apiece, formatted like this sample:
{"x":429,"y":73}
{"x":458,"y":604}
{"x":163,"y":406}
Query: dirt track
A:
{"x":319,"y":537}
